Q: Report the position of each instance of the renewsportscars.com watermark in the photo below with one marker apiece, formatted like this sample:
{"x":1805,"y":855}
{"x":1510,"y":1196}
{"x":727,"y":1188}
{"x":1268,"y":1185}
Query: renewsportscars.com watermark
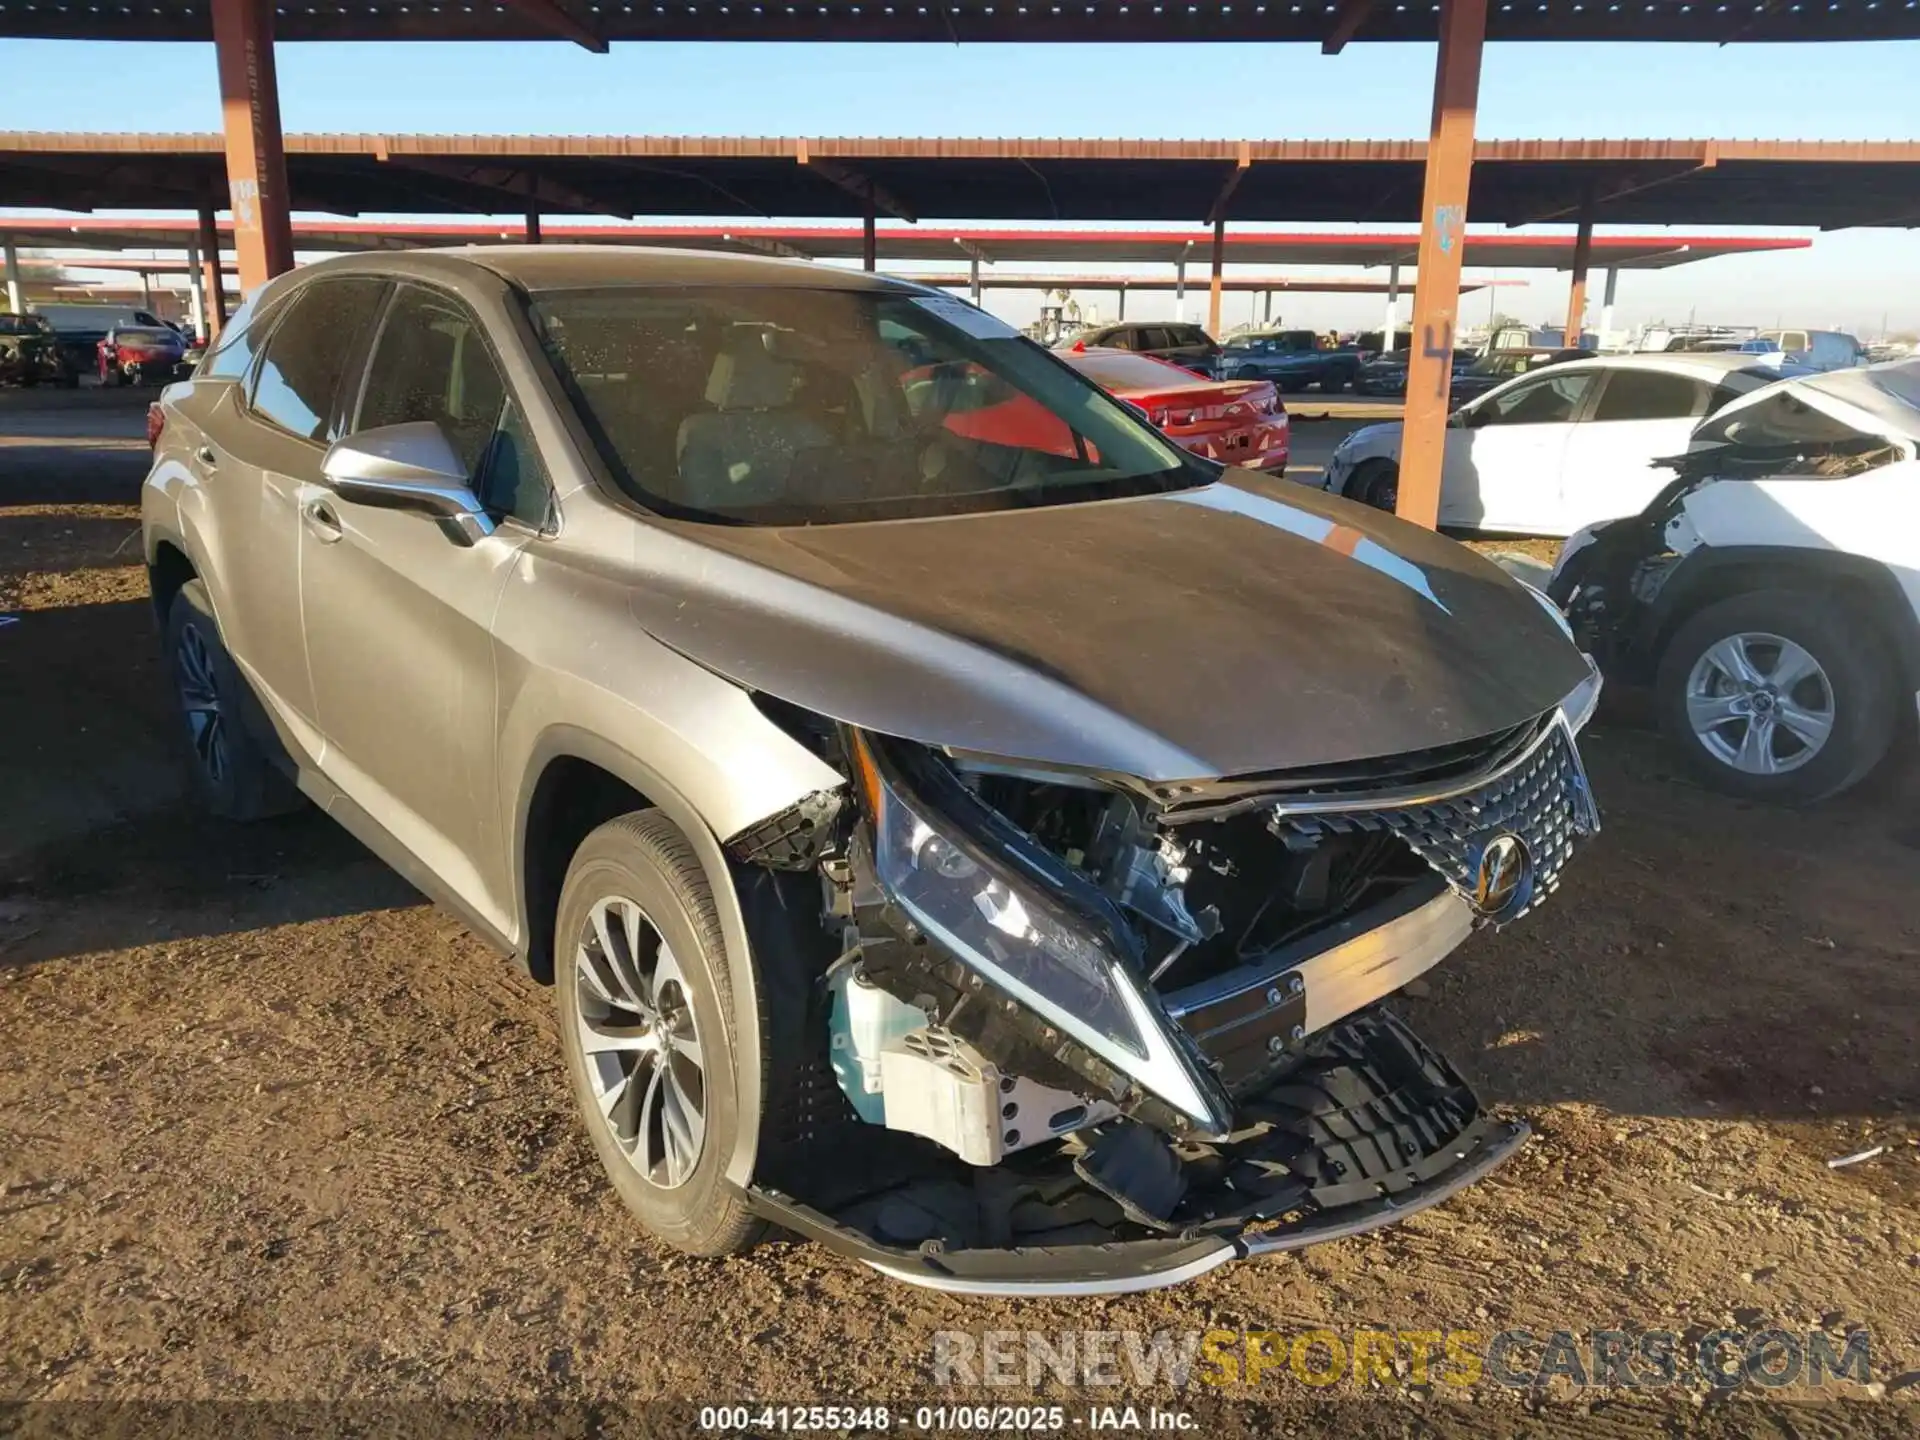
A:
{"x":1253,"y":1360}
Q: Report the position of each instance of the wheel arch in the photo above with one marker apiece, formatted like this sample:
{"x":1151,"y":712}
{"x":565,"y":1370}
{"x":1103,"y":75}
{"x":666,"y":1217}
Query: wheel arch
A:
{"x":1714,"y":573}
{"x":571,"y":777}
{"x":169,"y":568}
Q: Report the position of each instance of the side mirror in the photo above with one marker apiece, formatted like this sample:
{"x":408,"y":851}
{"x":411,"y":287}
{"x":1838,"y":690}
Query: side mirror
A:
{"x":408,"y":467}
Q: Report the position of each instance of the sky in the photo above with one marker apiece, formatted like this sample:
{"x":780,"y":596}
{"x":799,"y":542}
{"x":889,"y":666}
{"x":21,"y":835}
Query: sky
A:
{"x":1854,"y":280}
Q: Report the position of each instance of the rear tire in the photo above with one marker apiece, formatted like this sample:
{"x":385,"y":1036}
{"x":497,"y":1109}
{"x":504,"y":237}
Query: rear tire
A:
{"x":1732,"y":730}
{"x":637,"y":924}
{"x":230,"y":770}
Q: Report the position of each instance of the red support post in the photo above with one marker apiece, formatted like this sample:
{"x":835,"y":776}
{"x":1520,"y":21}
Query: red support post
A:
{"x":533,"y":227}
{"x":1582,"y":257}
{"x":1443,"y":231}
{"x":869,"y":242}
{"x":1219,"y":263}
{"x":256,"y":163}
{"x":210,"y":273}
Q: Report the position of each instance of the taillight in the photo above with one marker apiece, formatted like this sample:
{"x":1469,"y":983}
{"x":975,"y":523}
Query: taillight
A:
{"x":1160,"y":417}
{"x":156,"y":422}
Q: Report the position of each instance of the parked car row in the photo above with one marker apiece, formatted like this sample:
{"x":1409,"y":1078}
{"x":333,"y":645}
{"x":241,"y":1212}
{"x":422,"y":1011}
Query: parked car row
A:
{"x":119,"y":345}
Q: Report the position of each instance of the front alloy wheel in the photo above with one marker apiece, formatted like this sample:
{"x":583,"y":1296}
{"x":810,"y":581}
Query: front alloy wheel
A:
{"x":642,"y":987}
{"x":1760,"y":703}
{"x":1780,"y":695}
{"x":641,"y":1042}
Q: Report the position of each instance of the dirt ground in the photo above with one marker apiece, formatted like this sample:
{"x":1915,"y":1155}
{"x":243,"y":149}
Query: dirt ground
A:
{"x":272,"y":1128}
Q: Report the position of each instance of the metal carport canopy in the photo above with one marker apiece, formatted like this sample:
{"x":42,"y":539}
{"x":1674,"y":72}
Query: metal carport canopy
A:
{"x":959,"y":21}
{"x":1514,"y":182}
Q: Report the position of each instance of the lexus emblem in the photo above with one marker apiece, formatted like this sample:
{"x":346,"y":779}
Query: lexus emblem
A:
{"x":1503,"y":882}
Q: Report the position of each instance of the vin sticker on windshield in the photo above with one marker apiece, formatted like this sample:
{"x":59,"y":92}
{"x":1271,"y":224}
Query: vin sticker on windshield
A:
{"x":963,"y":317}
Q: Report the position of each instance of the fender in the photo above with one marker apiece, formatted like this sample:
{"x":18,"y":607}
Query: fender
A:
{"x":1711,"y":572}
{"x":559,"y":741}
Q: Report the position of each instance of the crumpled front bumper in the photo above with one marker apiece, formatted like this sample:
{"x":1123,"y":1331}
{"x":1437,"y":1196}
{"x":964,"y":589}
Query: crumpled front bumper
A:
{"x":1371,"y":1127}
{"x":1158,"y":1264}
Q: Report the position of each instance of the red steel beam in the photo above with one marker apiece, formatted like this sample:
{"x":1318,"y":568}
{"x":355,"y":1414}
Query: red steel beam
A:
{"x":256,"y":163}
{"x":1582,"y":256}
{"x":210,"y":273}
{"x":1443,"y":226}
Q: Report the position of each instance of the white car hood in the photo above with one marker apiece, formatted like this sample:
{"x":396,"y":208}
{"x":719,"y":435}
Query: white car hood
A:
{"x":1380,"y":437}
{"x":1881,"y":400}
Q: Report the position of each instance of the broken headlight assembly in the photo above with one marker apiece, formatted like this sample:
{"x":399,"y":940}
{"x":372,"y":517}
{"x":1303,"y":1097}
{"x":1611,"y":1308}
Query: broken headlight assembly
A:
{"x":967,"y":880}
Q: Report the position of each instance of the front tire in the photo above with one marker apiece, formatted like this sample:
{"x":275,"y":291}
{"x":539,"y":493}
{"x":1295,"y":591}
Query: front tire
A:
{"x":1376,"y":483}
{"x":1778,"y":695}
{"x":229,"y":769}
{"x":646,"y":1024}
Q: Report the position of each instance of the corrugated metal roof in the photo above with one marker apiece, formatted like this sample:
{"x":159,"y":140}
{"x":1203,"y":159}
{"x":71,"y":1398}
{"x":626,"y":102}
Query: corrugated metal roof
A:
{"x":970,"y":21}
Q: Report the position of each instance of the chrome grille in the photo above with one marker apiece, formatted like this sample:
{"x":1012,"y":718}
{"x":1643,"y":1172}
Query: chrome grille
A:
{"x":1543,"y":799}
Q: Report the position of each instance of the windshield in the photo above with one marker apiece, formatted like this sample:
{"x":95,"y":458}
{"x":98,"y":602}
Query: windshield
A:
{"x":765,"y":406}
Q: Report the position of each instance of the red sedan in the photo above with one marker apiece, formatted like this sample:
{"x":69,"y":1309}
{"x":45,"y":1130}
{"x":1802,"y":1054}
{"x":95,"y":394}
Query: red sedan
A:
{"x":1237,"y":422}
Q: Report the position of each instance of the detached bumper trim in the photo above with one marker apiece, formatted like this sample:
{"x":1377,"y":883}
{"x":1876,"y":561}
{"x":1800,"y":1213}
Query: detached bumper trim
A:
{"x":1358,"y":1219}
{"x":1222,"y":1253}
{"x":1349,"y":1220}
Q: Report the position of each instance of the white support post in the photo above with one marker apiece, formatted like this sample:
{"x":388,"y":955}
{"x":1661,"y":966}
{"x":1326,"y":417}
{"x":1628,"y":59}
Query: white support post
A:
{"x":973,"y":277}
{"x":1606,"y":304}
{"x":196,"y":290}
{"x":146,"y":291}
{"x":16,"y":296}
{"x":1180,"y":289}
{"x":1393,"y":308}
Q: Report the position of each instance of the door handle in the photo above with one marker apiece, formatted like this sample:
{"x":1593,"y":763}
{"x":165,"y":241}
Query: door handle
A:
{"x":320,"y":519}
{"x":207,"y":458}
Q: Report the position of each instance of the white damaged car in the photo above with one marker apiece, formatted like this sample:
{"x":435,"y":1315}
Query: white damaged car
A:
{"x":1770,"y":593}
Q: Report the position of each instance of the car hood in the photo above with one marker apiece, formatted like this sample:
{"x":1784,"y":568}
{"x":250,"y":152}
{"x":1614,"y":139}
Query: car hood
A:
{"x":1233,"y":629}
{"x":1385,"y":434}
{"x":1879,"y":400}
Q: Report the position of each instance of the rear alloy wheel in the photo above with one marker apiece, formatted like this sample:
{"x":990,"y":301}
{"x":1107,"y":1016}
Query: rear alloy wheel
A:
{"x":640,"y":974}
{"x":1376,"y":483}
{"x":1778,"y":695}
{"x":231,"y":771}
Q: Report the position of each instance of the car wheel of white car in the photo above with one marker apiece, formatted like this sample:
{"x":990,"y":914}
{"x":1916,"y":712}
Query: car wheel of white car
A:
{"x":1376,"y":483}
{"x":1778,"y":695}
{"x":640,"y":972}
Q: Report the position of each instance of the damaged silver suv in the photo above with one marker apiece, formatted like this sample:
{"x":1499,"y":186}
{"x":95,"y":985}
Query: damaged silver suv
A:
{"x":958,"y":823}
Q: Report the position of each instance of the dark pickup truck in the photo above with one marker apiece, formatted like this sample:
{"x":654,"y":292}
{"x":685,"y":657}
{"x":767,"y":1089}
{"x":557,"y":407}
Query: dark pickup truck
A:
{"x":1291,"y":359}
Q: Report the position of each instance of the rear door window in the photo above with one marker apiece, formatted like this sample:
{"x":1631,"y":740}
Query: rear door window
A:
{"x":1650,"y":395}
{"x":232,"y":353}
{"x":310,"y":351}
